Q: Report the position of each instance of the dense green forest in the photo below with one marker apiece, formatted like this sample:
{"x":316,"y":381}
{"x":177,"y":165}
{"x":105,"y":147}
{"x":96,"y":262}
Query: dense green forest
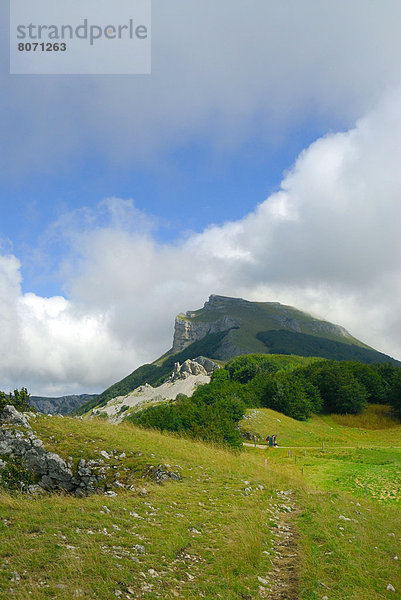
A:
{"x":295,"y":387}
{"x":282,"y":341}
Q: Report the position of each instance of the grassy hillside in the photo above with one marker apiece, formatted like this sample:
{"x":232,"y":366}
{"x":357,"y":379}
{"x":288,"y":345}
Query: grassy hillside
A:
{"x":253,"y":317}
{"x":271,"y":314}
{"x":214,"y":534}
{"x":203,"y":536}
{"x":333,"y":430}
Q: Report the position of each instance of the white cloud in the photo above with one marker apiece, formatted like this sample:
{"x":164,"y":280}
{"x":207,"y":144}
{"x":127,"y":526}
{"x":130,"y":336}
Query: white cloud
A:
{"x":49,"y":345}
{"x":328,"y":242}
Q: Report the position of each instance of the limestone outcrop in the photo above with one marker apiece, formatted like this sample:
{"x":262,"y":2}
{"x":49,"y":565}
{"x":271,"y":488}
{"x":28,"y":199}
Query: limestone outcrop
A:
{"x":187,"y":331}
{"x":184,"y":379}
{"x":49,"y":470}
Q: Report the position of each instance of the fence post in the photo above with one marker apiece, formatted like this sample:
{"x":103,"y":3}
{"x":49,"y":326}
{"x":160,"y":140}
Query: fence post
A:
{"x":367,"y":492}
{"x":322,"y":446}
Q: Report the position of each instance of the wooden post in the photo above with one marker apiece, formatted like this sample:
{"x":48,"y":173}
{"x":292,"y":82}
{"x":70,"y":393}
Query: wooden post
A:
{"x":322,"y":446}
{"x":302,"y":471}
{"x":295,"y":460}
{"x":304,"y":452}
{"x":367,"y":492}
{"x":254,"y":440}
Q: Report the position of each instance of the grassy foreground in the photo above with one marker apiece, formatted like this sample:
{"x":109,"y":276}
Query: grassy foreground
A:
{"x":204,"y":536}
{"x":210,"y":535}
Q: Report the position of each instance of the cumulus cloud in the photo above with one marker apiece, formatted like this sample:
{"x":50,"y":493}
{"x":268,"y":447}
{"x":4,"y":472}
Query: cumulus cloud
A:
{"x":49,"y":345}
{"x":328,"y":242}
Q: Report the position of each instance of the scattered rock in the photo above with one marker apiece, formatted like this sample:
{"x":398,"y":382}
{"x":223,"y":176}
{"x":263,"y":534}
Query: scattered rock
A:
{"x":390,"y":588}
{"x":162,"y":473}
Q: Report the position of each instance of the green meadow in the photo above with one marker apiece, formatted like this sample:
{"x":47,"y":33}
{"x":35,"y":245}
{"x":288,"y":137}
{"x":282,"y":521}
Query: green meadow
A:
{"x":213,"y":533}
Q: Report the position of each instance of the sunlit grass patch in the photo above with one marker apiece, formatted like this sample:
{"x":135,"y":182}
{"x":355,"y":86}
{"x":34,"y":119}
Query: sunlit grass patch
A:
{"x":375,"y":416}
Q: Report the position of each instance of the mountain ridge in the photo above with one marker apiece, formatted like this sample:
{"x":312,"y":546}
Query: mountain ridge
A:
{"x":227,"y":327}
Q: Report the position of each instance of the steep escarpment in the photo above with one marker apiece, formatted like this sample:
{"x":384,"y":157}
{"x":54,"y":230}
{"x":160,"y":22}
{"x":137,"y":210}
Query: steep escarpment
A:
{"x":188,"y":331}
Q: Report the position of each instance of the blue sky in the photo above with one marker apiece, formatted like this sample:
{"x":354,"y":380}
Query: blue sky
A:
{"x":222,"y":187}
{"x":257,"y":160}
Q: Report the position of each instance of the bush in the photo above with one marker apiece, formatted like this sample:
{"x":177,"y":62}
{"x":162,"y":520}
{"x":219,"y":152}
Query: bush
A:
{"x":15,"y":476}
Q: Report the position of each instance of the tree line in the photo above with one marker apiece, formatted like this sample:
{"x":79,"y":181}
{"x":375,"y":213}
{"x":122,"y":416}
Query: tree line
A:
{"x":277,"y":382}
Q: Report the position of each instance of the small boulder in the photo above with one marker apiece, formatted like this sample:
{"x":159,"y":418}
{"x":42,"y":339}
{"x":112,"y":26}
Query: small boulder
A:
{"x":11,"y":415}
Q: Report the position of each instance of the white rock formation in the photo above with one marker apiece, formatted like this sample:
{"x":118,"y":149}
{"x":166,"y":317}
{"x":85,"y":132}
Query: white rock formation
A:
{"x":184,"y":379}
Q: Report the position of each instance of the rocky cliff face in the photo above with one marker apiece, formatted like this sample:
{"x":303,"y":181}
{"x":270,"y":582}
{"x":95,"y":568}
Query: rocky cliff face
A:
{"x":186,"y":332}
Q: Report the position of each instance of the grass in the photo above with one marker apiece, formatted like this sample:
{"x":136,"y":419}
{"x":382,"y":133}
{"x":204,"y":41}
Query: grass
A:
{"x":201,"y":537}
{"x":205,"y":536}
{"x":332,"y":430}
{"x":335,"y":454}
{"x":376,"y":416}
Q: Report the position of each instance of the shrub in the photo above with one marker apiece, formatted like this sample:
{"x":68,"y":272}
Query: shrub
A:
{"x":19,"y":399}
{"x":15,"y":476}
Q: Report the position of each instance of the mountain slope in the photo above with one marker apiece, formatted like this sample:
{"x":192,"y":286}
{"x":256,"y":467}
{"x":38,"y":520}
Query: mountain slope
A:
{"x":228,"y":327}
{"x":244,"y":320}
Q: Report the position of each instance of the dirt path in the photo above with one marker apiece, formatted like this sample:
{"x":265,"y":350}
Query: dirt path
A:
{"x":332,"y":447}
{"x":284,"y":579}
